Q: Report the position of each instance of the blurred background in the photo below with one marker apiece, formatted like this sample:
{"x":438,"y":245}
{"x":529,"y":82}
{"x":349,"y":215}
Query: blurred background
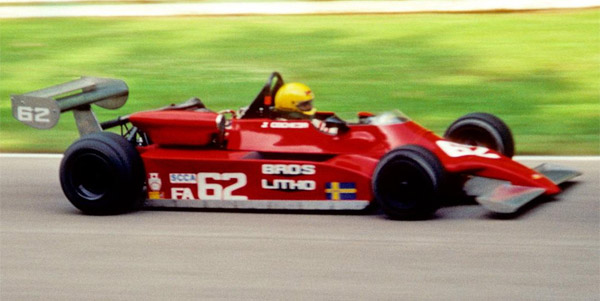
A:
{"x":537,"y":70}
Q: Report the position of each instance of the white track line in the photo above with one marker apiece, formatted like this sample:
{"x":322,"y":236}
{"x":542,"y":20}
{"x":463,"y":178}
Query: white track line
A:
{"x":284,"y":8}
{"x":31,"y":156}
{"x":517,"y":158}
{"x":557,"y":158}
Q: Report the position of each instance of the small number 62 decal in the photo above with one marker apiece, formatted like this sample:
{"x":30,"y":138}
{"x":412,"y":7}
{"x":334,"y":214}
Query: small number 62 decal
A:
{"x":32,"y":114}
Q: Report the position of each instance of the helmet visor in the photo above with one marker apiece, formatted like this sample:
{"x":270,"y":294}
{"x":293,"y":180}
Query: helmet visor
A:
{"x":305,"y":106}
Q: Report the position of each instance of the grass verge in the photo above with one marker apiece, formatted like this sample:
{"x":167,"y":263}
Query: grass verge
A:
{"x":540,"y":72}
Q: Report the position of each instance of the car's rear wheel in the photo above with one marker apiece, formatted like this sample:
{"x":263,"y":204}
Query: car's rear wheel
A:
{"x":407,"y":183}
{"x":482,"y":129}
{"x":102,"y":173}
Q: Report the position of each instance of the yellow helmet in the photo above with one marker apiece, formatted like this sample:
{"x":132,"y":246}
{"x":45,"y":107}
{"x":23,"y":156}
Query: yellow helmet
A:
{"x":295,"y":97}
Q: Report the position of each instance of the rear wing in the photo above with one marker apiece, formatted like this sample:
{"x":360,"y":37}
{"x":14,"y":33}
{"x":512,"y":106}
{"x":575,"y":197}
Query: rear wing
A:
{"x":42,"y":108}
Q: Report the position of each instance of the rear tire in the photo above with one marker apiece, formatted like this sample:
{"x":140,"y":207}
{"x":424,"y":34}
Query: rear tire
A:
{"x":482,"y":129}
{"x":407,"y":183}
{"x":102,"y":173}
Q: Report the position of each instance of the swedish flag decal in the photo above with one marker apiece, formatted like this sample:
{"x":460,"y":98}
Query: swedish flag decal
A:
{"x":340,"y":190}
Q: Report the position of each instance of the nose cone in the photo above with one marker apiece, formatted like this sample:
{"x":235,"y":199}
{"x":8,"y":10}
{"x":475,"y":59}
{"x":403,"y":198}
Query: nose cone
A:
{"x":544,"y":182}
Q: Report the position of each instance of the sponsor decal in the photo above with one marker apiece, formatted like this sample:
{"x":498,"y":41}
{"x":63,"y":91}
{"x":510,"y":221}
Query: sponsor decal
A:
{"x":456,"y":150}
{"x":154,"y":182}
{"x":182,"y":193}
{"x":288,"y":185}
{"x":340,"y":190}
{"x":284,"y":125}
{"x":183,"y":178}
{"x":288,"y":169}
{"x":154,"y":185}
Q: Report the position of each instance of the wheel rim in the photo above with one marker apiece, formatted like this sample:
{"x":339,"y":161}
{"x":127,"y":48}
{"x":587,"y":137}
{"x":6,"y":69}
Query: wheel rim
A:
{"x":92,"y":176}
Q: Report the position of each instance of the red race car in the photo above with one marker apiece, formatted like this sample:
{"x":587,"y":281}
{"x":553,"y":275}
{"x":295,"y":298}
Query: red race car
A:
{"x":190,"y":156}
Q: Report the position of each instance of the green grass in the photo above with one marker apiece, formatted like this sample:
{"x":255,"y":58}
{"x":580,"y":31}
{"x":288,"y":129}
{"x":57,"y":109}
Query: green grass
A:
{"x":540,"y":72}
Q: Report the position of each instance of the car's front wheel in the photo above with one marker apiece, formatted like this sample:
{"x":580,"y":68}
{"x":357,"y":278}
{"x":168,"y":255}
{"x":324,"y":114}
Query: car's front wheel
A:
{"x":102,"y":173}
{"x":482,"y":129}
{"x":407,"y":183}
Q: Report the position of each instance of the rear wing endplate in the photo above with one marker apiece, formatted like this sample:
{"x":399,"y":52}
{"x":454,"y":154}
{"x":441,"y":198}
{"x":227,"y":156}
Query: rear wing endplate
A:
{"x":42,"y":108}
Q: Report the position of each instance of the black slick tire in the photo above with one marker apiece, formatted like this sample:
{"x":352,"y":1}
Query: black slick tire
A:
{"x":482,"y":129}
{"x":407,"y":183}
{"x":102,"y":173}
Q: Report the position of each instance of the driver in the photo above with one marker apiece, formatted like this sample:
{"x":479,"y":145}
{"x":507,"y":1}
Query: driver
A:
{"x":295,"y":101}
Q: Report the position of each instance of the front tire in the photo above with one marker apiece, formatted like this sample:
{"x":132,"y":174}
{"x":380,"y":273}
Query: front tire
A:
{"x":407,"y":183}
{"x":482,"y":129}
{"x":102,"y":173}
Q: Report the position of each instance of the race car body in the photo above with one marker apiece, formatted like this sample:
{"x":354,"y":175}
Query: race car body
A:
{"x":190,"y":156}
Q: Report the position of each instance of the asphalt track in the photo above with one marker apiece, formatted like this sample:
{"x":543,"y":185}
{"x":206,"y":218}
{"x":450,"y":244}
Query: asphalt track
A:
{"x":49,"y":251}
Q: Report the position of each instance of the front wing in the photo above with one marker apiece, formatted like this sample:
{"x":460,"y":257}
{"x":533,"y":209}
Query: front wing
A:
{"x":503,"y":197}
